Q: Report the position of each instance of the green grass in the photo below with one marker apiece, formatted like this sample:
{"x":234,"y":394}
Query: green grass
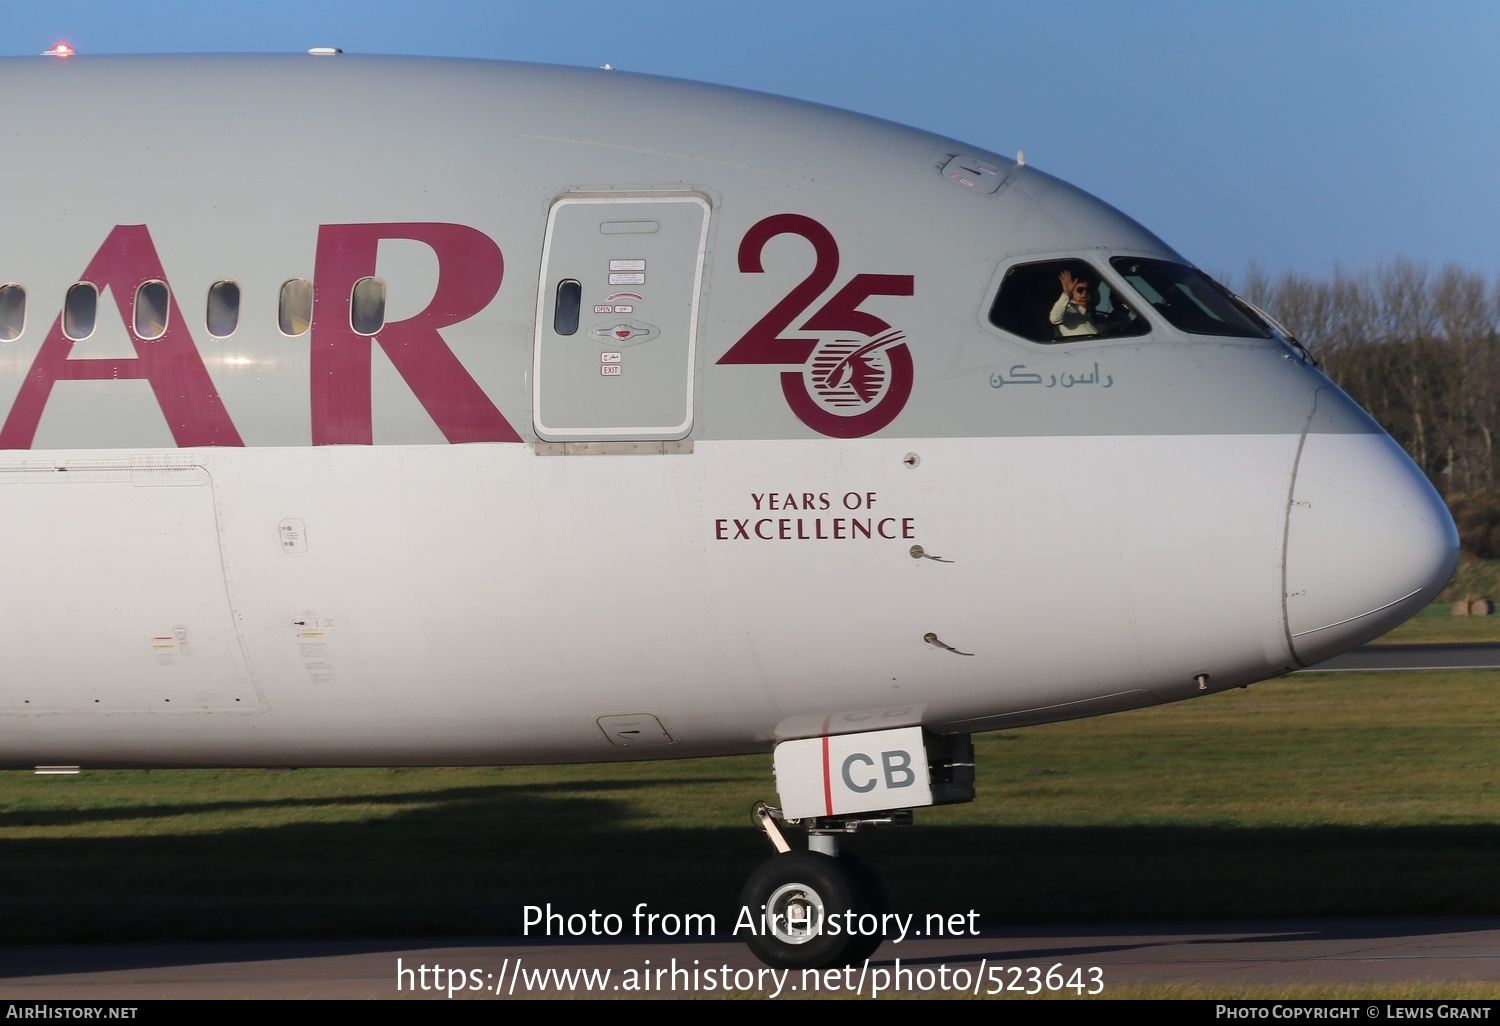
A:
{"x":1361,"y":992}
{"x":1440,"y":626}
{"x":1436,"y":624}
{"x":1320,"y":795}
{"x":1474,"y":578}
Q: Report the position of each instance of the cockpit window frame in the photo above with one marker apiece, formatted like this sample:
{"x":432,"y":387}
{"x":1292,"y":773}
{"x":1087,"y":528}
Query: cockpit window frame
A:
{"x":1212,"y":310}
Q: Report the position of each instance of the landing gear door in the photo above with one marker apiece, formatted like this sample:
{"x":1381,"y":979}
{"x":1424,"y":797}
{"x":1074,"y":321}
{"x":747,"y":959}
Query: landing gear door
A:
{"x":617,"y":317}
{"x":853,"y":773}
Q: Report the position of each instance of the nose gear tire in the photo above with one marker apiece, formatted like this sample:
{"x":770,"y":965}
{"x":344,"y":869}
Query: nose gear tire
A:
{"x":794,"y":898}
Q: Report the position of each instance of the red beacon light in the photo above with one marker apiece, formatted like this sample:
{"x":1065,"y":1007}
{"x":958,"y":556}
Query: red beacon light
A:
{"x":60,"y":50}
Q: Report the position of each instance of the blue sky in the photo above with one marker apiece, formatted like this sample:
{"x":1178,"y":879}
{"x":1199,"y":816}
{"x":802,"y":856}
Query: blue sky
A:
{"x":1299,"y":135}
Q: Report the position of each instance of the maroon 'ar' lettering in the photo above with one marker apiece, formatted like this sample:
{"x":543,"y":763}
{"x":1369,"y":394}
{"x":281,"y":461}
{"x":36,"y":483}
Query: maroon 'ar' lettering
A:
{"x":180,"y":382}
{"x":470,"y":267}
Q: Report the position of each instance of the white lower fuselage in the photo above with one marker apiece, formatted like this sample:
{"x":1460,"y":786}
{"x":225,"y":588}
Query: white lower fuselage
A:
{"x":485,"y":604}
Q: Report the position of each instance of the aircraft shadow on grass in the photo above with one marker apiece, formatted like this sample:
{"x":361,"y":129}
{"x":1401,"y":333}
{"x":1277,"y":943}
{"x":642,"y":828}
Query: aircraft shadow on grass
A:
{"x":463,"y":862}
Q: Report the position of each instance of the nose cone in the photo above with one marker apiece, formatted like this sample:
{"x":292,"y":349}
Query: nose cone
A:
{"x":1368,"y":541}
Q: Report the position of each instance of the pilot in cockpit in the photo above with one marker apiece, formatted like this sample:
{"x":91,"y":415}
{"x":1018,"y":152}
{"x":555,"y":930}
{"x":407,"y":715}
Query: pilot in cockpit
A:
{"x":1074,"y":313}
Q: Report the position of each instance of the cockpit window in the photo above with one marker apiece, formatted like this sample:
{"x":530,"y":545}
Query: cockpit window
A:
{"x":1188,"y":298}
{"x":1062,"y":301}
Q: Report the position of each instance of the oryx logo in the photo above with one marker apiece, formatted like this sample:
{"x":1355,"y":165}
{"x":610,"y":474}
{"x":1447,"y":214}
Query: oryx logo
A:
{"x":852,"y":373}
{"x":855,"y":377}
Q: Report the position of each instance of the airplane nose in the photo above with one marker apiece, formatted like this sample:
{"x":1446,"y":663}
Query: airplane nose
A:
{"x":1369,"y":542}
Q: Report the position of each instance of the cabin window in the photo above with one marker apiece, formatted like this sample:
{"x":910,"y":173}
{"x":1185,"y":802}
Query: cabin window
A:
{"x":367,"y":306}
{"x":1055,"y":301}
{"x":1188,"y":298}
{"x":565,"y":311}
{"x":223,"y":308}
{"x":294,"y":315}
{"x":12,"y":312}
{"x":80,"y":310}
{"x":150,"y":310}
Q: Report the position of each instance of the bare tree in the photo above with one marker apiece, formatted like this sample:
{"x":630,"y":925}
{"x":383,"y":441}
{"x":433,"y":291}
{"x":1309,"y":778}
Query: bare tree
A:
{"x":1421,"y":352}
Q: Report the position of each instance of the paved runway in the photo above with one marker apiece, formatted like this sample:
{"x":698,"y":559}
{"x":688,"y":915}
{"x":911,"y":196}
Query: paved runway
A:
{"x":1459,"y":656}
{"x":1269,"y":954}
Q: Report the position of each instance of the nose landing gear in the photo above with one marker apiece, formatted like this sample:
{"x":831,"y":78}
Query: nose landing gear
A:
{"x":820,"y":909}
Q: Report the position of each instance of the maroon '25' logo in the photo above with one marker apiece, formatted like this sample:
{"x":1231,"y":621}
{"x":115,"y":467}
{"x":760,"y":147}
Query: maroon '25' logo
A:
{"x":856,"y":377}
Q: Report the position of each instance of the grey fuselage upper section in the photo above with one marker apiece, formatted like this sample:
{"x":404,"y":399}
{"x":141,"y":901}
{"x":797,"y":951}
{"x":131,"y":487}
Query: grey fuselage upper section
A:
{"x":799,"y":222}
